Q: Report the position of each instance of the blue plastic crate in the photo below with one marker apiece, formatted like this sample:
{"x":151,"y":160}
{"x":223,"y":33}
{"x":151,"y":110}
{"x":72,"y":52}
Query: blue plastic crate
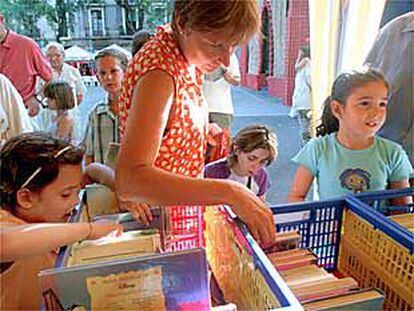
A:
{"x":320,"y":230}
{"x":382,"y":223}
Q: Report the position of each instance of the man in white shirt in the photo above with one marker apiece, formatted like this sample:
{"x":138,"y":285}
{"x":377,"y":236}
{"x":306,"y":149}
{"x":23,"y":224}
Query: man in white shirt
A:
{"x":14,"y":118}
{"x":217,"y":91}
{"x":55,"y":53}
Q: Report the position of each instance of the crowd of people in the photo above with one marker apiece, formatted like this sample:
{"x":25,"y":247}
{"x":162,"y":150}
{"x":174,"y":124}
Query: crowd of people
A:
{"x":147,"y":138}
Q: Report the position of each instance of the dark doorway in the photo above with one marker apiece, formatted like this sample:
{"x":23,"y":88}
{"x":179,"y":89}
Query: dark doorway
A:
{"x":265,"y":68}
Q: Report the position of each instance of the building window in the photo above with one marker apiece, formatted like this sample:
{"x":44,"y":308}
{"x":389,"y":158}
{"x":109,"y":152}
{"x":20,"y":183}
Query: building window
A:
{"x":96,"y":22}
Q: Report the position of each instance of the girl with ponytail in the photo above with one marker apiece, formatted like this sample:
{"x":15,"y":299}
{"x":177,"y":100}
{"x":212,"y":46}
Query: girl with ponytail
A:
{"x":349,"y":157}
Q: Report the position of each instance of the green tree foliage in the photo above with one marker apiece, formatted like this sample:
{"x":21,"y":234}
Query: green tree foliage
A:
{"x":59,"y":15}
{"x":22,"y":15}
{"x":141,"y":14}
{"x":157,"y":13}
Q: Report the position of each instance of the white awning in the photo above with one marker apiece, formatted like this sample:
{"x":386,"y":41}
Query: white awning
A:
{"x":76,"y":53}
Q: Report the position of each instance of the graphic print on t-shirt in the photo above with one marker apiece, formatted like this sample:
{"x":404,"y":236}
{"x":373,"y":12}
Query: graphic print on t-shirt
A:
{"x":357,"y":180}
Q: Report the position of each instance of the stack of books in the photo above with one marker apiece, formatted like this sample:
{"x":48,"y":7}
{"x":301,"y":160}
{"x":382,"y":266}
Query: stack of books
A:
{"x":131,"y":243}
{"x":361,"y":300}
{"x":284,"y":241}
{"x":312,"y":285}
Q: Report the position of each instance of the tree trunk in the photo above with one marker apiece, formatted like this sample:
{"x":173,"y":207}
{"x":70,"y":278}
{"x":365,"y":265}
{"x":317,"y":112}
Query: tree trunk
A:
{"x":62,"y":22}
{"x":130,"y":28}
{"x":141,"y":18}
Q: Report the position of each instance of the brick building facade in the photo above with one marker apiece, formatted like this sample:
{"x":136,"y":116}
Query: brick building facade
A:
{"x":269,"y":59}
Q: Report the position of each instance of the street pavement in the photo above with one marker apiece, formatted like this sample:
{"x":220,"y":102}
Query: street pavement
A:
{"x":251,"y":107}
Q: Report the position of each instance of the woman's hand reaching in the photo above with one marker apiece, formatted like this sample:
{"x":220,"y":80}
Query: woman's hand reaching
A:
{"x":255,"y":214}
{"x":140,"y":211}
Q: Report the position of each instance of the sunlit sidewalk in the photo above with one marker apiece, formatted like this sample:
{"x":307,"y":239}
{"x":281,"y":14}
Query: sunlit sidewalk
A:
{"x":248,"y":102}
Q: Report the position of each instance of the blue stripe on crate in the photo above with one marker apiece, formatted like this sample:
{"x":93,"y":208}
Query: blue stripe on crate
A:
{"x":377,"y":199}
{"x":384,"y":194}
{"x":304,"y":206}
{"x":381,"y":222}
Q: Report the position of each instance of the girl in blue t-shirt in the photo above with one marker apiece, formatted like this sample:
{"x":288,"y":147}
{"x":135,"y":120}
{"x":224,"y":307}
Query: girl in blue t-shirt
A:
{"x":251,"y":149}
{"x":349,"y":157}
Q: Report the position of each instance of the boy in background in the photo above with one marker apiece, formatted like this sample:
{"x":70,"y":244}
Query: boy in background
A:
{"x":102,"y":126}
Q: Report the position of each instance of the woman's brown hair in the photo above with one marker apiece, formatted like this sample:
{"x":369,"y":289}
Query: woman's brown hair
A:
{"x":250,"y":138}
{"x":239,"y":19}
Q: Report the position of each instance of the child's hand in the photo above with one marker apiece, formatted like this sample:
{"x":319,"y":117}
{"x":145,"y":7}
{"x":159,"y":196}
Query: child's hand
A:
{"x":140,"y":211}
{"x":33,"y":106}
{"x":214,"y":129}
{"x":85,"y":181}
{"x":101,"y":228}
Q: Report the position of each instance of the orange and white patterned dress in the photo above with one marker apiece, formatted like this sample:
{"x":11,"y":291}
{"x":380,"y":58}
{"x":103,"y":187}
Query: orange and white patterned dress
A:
{"x":183,"y":146}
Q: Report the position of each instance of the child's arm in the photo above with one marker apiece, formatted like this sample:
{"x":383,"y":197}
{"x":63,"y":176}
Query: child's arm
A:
{"x":230,"y":78}
{"x":33,"y":239}
{"x":100,"y":173}
{"x":401,"y":185}
{"x":300,"y":185}
{"x":104,"y":175}
{"x":65,"y":128}
{"x":300,"y":63}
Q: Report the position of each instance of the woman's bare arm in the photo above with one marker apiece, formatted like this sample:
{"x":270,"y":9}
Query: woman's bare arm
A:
{"x":138,"y":179}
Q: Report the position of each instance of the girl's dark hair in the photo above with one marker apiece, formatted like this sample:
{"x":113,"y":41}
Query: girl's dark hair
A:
{"x":253,"y":137}
{"x":22,"y":155}
{"x":342,"y":88}
{"x":62,"y":93}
